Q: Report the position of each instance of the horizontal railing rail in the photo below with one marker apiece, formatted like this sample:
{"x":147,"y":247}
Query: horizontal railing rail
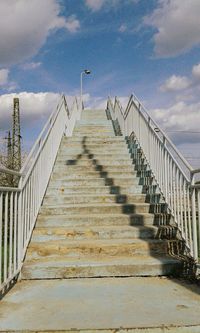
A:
{"x":19,"y":206}
{"x":173,"y":174}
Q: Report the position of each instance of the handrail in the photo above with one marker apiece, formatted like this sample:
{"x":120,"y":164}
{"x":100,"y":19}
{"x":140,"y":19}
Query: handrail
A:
{"x":41,"y":134}
{"x":132,"y":99}
{"x":10,"y":172}
{"x":19,"y":206}
{"x":166,"y":137}
{"x":173,"y":175}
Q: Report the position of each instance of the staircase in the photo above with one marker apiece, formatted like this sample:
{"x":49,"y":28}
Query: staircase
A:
{"x":104,"y":255}
{"x":95,"y":221}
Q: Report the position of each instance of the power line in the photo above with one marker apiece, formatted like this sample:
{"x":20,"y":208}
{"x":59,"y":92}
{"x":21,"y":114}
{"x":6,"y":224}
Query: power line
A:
{"x":193,"y":132}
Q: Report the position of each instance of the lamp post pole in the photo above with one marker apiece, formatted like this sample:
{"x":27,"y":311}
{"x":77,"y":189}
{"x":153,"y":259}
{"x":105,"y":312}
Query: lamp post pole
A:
{"x":87,"y":72}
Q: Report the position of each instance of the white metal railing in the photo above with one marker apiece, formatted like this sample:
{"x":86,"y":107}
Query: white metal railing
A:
{"x":19,"y":206}
{"x":173,"y":174}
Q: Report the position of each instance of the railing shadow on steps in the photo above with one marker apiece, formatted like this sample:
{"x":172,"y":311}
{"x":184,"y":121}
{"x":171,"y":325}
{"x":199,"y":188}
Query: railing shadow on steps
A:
{"x":174,"y":246}
{"x":19,"y":206}
{"x":170,"y":175}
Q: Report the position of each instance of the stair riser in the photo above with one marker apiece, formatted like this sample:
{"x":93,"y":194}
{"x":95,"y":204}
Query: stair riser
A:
{"x":91,"y":220}
{"x":98,"y":131}
{"x":105,"y":134}
{"x":36,"y":251}
{"x":56,"y":190}
{"x":94,"y":139}
{"x":47,"y":234}
{"x":39,"y":272}
{"x":95,"y":182}
{"x":64,"y":175}
{"x":108,"y":168}
{"x":93,"y":150}
{"x":91,"y":156}
{"x":142,"y":208}
{"x":80,"y":199}
{"x":100,"y":162}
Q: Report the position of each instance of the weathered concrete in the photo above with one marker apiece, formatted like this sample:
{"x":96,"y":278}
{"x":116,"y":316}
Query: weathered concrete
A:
{"x":136,"y":304}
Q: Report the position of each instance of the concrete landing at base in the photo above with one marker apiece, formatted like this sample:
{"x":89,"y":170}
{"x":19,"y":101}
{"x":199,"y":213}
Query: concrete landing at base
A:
{"x":108,"y":304}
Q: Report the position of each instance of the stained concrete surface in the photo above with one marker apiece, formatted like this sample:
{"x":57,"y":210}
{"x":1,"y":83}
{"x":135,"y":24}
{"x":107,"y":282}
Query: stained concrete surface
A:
{"x":106,"y":304}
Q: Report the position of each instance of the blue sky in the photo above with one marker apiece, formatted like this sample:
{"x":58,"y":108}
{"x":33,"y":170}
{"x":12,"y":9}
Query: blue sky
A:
{"x":149,"y":47}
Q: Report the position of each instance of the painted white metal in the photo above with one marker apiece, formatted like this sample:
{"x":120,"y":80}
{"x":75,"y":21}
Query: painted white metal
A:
{"x":19,"y":206}
{"x":173,"y":174}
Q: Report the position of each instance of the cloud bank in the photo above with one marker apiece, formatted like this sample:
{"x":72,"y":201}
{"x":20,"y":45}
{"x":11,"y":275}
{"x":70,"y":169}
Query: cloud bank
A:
{"x":177,"y":26}
{"x":25,"y":26}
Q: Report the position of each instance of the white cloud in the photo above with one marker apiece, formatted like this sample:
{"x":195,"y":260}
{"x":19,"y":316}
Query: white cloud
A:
{"x":175,"y":83}
{"x":4,"y":76}
{"x":181,"y":117}
{"x":196,"y":71}
{"x":25,"y":26}
{"x":96,"y":5}
{"x":177,"y":26}
{"x":122,"y":28}
{"x":33,"y":107}
{"x":31,"y":65}
{"x":72,"y":24}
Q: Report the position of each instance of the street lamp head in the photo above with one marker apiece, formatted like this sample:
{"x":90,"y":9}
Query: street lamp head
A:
{"x":87,"y":71}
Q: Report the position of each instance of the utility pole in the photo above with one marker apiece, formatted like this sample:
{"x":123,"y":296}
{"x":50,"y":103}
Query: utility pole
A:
{"x":16,"y":137}
{"x":9,"y":151}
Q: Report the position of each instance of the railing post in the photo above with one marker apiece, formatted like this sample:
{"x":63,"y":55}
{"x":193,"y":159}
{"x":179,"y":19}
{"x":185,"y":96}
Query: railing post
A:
{"x":20,"y":228}
{"x":194,"y":219}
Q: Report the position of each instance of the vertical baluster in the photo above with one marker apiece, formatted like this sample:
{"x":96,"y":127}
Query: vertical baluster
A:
{"x":5,"y":245}
{"x":198,"y":208}
{"x":15,"y":231}
{"x":1,"y":235}
{"x":185,"y":210}
{"x":174,"y":192}
{"x":181,"y":202}
{"x":194,"y":221}
{"x":11,"y":235}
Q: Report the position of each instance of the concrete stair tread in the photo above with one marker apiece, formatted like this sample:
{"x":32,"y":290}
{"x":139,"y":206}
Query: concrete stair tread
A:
{"x":42,"y":234}
{"x":92,"y":216}
{"x":67,"y":229}
{"x":97,"y":242}
{"x":95,"y":197}
{"x":95,"y":219}
{"x":101,"y":205}
{"x":58,"y":261}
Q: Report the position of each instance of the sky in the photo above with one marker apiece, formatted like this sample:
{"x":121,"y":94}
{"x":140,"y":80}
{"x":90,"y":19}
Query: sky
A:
{"x":147,"y":47}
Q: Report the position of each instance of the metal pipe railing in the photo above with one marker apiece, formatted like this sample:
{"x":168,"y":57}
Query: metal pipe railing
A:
{"x":173,"y":174}
{"x":19,"y":206}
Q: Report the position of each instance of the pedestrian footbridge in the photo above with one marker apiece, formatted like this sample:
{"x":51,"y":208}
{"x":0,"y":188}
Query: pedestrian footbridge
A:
{"x":102,"y":232}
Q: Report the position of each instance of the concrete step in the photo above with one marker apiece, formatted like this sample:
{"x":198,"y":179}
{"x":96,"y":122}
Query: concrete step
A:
{"x":94,"y":135}
{"x":97,"y":150}
{"x":89,"y":220}
{"x":65,"y":268}
{"x":84,"y":181}
{"x":93,"y":125}
{"x":66,"y":174}
{"x":101,"y":162}
{"x":108,"y":305}
{"x":97,"y":247}
{"x":68,"y":209}
{"x":94,"y":139}
{"x":105,"y":168}
{"x":92,"y":144}
{"x":57,"y":190}
{"x":92,"y":156}
{"x":72,"y":198}
{"x":93,"y":131}
{"x":42,"y":234}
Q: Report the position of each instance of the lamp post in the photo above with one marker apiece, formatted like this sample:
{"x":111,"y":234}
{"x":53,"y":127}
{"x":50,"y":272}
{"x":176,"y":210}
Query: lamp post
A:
{"x":86,"y":72}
